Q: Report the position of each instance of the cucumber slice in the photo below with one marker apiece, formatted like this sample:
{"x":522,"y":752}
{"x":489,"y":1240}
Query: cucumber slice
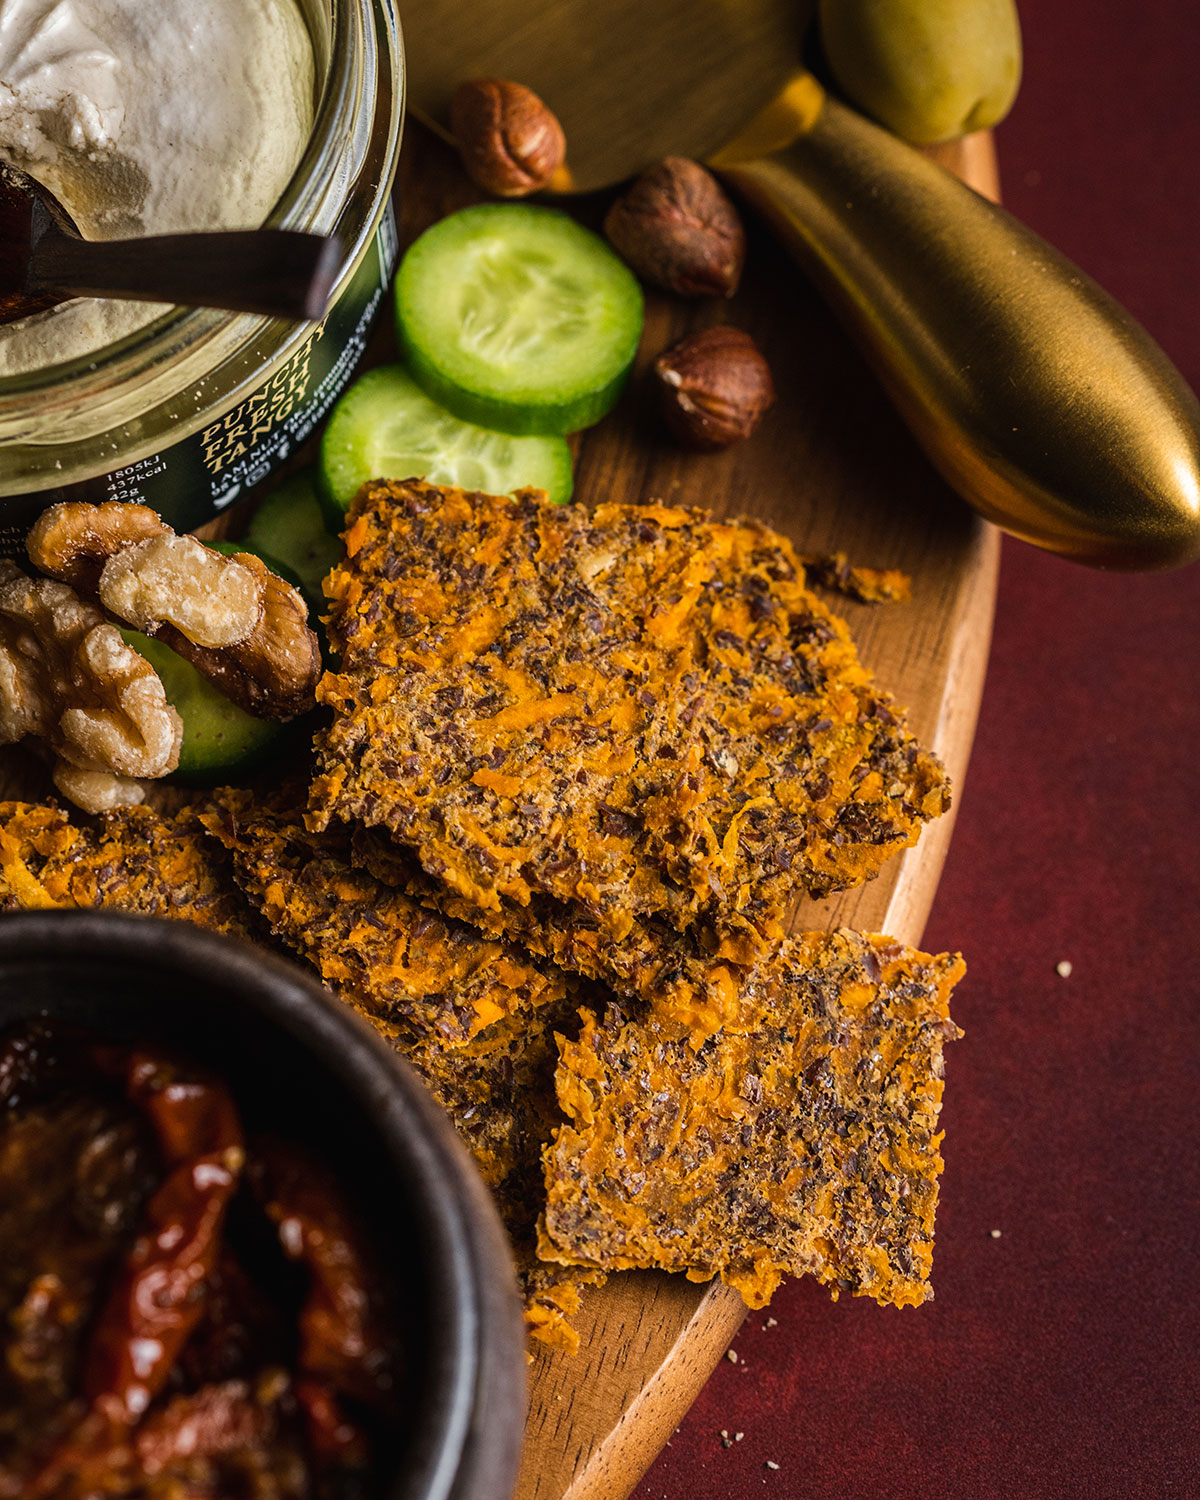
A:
{"x":290,"y":526}
{"x":218,"y":736}
{"x":518,"y":318}
{"x":386,"y":427}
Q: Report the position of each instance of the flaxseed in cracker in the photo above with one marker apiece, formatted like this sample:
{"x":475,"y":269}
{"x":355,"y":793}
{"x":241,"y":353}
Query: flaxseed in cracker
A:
{"x":803,"y":1142}
{"x":640,"y":714}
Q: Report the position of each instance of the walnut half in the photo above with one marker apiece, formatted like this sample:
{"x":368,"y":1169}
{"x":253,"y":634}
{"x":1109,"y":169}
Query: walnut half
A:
{"x":239,"y":624}
{"x":68,"y":679}
{"x":210,"y":599}
{"x":272,"y":673}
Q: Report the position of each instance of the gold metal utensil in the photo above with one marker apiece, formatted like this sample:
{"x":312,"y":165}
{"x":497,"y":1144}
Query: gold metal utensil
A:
{"x":1041,"y":401}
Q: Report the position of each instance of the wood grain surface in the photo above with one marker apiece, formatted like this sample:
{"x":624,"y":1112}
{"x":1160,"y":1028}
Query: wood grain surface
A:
{"x":833,"y":468}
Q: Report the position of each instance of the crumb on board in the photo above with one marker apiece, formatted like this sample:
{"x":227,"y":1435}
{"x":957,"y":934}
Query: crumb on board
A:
{"x":833,"y":570}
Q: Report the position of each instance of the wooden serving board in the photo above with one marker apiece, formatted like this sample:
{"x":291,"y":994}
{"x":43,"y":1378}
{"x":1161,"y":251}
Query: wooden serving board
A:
{"x":833,"y":468}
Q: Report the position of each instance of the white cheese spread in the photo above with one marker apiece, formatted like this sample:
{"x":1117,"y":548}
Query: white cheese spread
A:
{"x":148,"y":117}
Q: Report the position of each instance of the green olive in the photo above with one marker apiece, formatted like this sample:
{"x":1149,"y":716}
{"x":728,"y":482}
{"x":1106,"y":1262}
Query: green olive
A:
{"x":929,"y":70}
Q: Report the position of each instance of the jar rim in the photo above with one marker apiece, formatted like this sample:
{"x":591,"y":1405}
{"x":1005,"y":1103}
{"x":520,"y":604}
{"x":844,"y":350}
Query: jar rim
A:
{"x":187,"y":329}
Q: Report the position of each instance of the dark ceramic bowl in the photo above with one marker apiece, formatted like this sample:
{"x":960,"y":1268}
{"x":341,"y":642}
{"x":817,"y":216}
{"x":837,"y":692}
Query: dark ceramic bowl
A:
{"x":304,"y":1065}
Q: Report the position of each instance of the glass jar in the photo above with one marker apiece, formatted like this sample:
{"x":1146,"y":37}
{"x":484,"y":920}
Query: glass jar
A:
{"x":199,"y":408}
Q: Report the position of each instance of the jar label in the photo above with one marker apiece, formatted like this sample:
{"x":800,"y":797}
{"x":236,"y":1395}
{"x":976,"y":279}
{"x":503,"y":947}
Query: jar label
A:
{"x":230,"y":457}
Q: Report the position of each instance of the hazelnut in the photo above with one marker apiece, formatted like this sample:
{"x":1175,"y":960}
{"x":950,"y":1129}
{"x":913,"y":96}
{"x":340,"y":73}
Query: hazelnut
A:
{"x":715,"y":387}
{"x":678,"y":229}
{"x":511,"y":144}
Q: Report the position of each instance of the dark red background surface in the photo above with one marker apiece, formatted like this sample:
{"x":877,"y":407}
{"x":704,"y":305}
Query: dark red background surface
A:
{"x":1060,"y":1359}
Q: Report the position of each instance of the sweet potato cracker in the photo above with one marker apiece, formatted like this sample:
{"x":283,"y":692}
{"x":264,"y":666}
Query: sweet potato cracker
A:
{"x":136,"y":860}
{"x":804,"y":1142}
{"x":670,"y":971}
{"x":639,"y":714}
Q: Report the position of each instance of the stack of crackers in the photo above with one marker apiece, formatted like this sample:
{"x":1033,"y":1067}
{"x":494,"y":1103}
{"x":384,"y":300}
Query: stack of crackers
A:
{"x":579,"y":768}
